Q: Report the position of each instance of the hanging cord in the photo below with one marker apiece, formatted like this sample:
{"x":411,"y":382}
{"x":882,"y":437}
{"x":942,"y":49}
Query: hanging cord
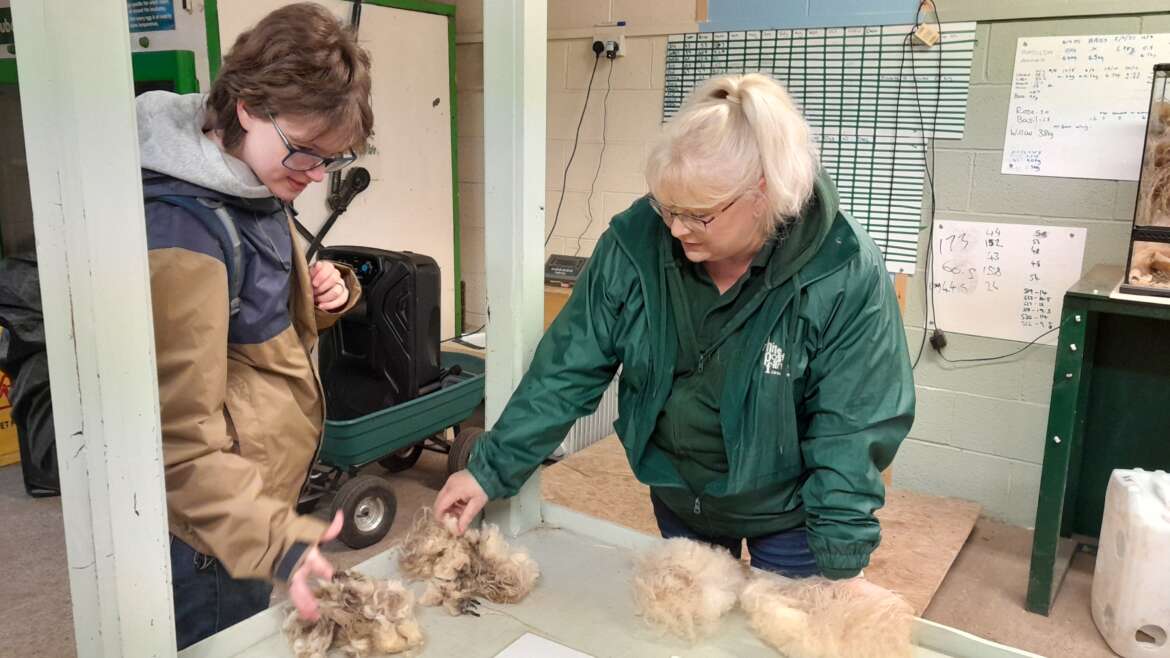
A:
{"x":600,"y":157}
{"x":928,"y":161}
{"x":576,"y":140}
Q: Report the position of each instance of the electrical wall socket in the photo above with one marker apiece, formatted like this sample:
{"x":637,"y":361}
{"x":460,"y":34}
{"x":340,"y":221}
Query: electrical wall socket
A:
{"x":610,"y":34}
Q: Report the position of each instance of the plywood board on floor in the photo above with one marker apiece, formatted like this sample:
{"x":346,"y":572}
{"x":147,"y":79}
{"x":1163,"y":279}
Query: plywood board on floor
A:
{"x":921,"y":534}
{"x":921,"y":537}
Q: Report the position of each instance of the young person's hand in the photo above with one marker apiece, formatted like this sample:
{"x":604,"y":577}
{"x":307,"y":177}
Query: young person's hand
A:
{"x":461,"y":496}
{"x":329,"y":291}
{"x":313,"y":565}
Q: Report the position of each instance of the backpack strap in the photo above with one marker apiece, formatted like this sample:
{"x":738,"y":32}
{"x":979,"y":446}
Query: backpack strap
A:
{"x":219,"y":223}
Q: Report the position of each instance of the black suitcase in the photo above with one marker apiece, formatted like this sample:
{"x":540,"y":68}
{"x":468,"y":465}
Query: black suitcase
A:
{"x":386,"y":350}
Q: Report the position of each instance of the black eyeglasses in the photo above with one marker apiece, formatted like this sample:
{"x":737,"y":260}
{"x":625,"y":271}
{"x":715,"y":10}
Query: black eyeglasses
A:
{"x":299,"y":159}
{"x":692,"y":222}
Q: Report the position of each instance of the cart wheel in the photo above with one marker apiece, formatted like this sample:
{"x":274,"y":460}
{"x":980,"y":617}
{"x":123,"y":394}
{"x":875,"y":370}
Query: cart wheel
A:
{"x":461,"y":449}
{"x":401,"y":460}
{"x":368,"y":506}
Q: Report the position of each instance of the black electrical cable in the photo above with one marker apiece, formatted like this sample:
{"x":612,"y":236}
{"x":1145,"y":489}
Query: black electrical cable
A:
{"x":928,"y":161}
{"x":576,"y":140}
{"x":600,"y":157}
{"x":1002,"y":356}
{"x":929,"y":156}
{"x":460,"y":337}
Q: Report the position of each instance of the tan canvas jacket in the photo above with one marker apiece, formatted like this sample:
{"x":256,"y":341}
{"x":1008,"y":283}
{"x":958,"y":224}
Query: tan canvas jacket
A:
{"x":242,"y":407}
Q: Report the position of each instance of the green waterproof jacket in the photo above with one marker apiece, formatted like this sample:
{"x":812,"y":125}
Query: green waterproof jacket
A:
{"x":809,"y":421}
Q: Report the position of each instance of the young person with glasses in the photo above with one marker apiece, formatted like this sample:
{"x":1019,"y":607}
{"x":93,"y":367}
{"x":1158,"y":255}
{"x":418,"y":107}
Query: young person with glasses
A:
{"x":765,"y":381}
{"x":242,"y":408}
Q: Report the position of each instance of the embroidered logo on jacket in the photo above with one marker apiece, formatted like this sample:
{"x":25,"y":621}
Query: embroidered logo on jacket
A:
{"x":773,"y":359}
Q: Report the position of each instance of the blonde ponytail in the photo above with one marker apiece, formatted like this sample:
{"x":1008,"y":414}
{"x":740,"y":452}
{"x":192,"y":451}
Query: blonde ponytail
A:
{"x":733,"y":130}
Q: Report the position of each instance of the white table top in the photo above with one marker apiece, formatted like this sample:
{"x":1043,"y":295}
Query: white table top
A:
{"x":582,"y":601}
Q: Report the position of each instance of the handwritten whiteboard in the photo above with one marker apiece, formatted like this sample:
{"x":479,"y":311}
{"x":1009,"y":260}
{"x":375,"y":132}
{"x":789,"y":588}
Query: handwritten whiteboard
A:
{"x":1003,"y":280}
{"x":1079,"y":105}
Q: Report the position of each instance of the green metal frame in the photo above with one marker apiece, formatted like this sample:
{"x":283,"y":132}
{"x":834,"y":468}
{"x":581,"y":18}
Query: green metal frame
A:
{"x":424,"y":6}
{"x":1094,"y":426}
{"x":427,"y":7}
{"x":1064,"y":434}
{"x":456,"y":233}
{"x":211,"y":23}
{"x":175,"y":66}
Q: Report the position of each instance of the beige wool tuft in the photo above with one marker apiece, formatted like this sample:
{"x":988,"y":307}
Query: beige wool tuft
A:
{"x":457,"y":569}
{"x":819,"y":618}
{"x":684,"y":586}
{"x":360,"y":616}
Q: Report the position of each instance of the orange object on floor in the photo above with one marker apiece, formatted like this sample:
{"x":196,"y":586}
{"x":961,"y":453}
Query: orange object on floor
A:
{"x":9,"y":448}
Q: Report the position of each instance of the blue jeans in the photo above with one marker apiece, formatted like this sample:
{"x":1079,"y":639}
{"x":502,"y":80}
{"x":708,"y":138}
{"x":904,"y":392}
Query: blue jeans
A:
{"x":207,"y":599}
{"x":786,"y":552}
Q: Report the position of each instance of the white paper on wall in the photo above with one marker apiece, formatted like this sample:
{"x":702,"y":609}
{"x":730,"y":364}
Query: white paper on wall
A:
{"x":1003,"y":280}
{"x":1078,"y":105}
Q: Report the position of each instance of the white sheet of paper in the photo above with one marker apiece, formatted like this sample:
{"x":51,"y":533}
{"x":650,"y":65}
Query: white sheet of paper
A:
{"x":534,"y":646}
{"x":1003,"y":280}
{"x":1079,"y":104}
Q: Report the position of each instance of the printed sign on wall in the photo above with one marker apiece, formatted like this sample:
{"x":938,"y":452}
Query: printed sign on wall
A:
{"x":151,"y":15}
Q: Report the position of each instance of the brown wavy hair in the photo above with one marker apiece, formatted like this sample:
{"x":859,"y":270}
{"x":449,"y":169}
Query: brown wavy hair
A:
{"x":298,"y":60}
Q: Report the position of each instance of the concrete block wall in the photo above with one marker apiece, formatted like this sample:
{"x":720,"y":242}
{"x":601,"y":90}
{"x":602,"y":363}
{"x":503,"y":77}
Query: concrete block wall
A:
{"x":980,"y":429}
{"x":628,"y":119}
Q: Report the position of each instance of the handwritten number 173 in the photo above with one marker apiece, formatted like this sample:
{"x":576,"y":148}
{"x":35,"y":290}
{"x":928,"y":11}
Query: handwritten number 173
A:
{"x":954,"y":242}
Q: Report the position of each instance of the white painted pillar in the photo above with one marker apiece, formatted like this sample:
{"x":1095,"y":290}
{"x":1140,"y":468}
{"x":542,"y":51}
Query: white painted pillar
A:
{"x":77,"y":96}
{"x":514,"y":62}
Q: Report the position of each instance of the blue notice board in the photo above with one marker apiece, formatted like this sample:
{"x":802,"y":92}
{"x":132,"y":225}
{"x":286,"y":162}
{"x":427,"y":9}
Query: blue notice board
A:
{"x":151,"y":15}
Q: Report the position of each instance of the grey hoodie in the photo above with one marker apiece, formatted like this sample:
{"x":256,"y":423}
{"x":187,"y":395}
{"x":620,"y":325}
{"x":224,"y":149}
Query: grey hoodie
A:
{"x":171,"y":142}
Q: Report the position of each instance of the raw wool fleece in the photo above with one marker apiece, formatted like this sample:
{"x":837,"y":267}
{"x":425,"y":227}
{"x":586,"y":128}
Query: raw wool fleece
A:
{"x":360,"y":616}
{"x":684,"y":586}
{"x":819,"y":618}
{"x":458,"y":568}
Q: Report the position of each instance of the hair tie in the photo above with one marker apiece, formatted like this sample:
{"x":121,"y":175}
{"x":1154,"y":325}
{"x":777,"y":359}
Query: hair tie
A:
{"x":726,"y":95}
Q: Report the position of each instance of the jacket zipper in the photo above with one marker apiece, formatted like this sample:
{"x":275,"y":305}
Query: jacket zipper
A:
{"x":702,"y":361}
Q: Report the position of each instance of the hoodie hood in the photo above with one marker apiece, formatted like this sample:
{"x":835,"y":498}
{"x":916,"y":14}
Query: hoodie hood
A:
{"x":171,"y":142}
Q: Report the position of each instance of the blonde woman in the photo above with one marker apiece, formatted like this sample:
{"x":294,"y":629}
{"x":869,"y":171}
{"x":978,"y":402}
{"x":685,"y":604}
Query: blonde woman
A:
{"x":765,"y":380}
